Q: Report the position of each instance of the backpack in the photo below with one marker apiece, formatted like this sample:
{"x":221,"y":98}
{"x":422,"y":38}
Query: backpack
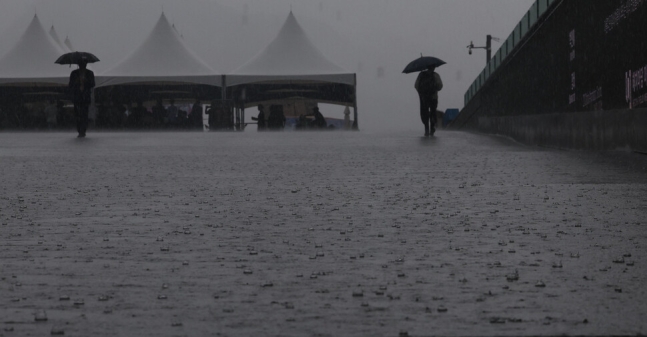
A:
{"x":426,"y":83}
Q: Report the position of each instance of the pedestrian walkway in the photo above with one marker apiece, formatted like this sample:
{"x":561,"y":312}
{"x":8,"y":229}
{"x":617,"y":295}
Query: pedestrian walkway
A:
{"x":326,"y":234}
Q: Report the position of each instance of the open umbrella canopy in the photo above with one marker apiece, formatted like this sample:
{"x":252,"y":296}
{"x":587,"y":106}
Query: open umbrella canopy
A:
{"x":76,"y":58}
{"x":423,"y":63}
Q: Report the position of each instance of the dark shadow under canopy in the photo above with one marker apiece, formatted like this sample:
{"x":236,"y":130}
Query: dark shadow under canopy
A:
{"x":147,"y":92}
{"x":255,"y":93}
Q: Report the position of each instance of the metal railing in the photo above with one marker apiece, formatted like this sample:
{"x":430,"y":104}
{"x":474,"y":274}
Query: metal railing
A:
{"x":529,"y":20}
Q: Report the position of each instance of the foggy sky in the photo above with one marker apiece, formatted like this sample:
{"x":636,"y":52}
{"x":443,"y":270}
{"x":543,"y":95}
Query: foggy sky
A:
{"x":358,"y":35}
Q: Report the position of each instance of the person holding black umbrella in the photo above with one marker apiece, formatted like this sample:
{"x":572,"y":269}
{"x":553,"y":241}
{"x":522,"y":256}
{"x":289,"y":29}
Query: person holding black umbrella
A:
{"x":428,"y":85}
{"x":81,"y":85}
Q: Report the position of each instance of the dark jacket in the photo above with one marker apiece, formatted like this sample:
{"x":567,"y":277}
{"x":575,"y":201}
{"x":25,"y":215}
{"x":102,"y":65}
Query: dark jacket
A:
{"x":319,"y":121}
{"x":261,"y":120}
{"x":81,"y":92}
{"x":429,"y":84}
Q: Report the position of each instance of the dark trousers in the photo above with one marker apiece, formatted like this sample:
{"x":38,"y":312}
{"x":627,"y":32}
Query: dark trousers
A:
{"x":428,"y":113}
{"x":81,"y":110}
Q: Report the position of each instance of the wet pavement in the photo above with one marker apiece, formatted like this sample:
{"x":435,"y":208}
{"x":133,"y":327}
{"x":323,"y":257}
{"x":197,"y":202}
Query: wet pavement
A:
{"x":317,"y":234}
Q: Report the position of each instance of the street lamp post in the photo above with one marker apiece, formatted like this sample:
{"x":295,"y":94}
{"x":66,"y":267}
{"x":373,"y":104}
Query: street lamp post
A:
{"x":488,"y":47}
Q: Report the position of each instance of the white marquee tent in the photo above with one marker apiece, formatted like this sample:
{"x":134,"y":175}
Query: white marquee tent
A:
{"x":31,"y":61}
{"x":162,"y":58}
{"x":290,"y":66}
{"x":290,"y":57}
{"x":68,"y":44}
{"x":57,"y":39}
{"x":294,"y":67}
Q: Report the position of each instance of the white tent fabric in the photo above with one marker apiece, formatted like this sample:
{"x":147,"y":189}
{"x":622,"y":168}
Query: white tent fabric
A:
{"x":290,"y":57}
{"x":68,"y":44}
{"x":54,"y":35}
{"x":31,"y":61}
{"x":162,"y":58}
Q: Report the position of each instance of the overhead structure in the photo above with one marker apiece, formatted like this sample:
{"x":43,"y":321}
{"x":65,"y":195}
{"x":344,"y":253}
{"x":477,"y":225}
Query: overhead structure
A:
{"x":292,"y":66}
{"x":161,"y":59}
{"x":31,"y":61}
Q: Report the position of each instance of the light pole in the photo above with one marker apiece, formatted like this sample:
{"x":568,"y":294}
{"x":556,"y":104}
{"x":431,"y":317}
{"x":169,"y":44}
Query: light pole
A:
{"x":488,"y":47}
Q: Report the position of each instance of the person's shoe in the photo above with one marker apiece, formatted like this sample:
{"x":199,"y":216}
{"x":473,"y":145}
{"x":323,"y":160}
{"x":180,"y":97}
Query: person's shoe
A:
{"x":426,"y":134}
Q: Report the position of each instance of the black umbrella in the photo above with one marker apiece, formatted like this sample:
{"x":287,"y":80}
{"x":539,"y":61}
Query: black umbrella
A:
{"x":76,"y":58}
{"x":423,"y":63}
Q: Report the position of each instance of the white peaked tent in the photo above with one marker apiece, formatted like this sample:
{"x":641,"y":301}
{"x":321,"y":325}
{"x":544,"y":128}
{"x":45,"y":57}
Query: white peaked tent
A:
{"x":31,"y":61}
{"x":291,"y":56}
{"x":54,"y":35}
{"x":292,"y":66}
{"x":162,"y":58}
{"x":68,"y":44}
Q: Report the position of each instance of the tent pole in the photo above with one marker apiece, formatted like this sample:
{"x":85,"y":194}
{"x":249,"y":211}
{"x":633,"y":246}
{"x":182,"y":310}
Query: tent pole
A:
{"x":355,"y":124}
{"x":237,"y":116}
{"x":224,"y":87}
{"x":223,"y":95}
{"x":242,"y":117}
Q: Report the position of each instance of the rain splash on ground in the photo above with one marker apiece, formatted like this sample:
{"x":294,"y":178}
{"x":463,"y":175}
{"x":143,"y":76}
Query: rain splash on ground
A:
{"x":317,"y":234}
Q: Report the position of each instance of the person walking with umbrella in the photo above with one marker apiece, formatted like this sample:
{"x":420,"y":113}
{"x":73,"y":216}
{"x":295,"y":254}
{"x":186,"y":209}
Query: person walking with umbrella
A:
{"x":428,"y":85}
{"x":80,"y":86}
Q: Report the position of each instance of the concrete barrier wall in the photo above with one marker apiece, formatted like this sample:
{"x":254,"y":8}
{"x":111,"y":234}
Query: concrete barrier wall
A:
{"x":596,"y":130}
{"x":578,"y":79}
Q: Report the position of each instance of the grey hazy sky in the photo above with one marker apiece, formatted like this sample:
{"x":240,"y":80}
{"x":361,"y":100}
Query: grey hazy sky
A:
{"x":359,"y":35}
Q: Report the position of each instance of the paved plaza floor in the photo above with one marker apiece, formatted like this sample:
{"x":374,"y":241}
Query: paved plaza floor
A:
{"x":318,"y":234}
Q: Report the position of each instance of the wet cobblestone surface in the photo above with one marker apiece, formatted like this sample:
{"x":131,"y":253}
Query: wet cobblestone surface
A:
{"x":319,"y":234}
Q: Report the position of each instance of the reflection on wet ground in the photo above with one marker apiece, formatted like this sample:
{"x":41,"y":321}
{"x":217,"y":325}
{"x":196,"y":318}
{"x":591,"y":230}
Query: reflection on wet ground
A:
{"x":354,"y":234}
